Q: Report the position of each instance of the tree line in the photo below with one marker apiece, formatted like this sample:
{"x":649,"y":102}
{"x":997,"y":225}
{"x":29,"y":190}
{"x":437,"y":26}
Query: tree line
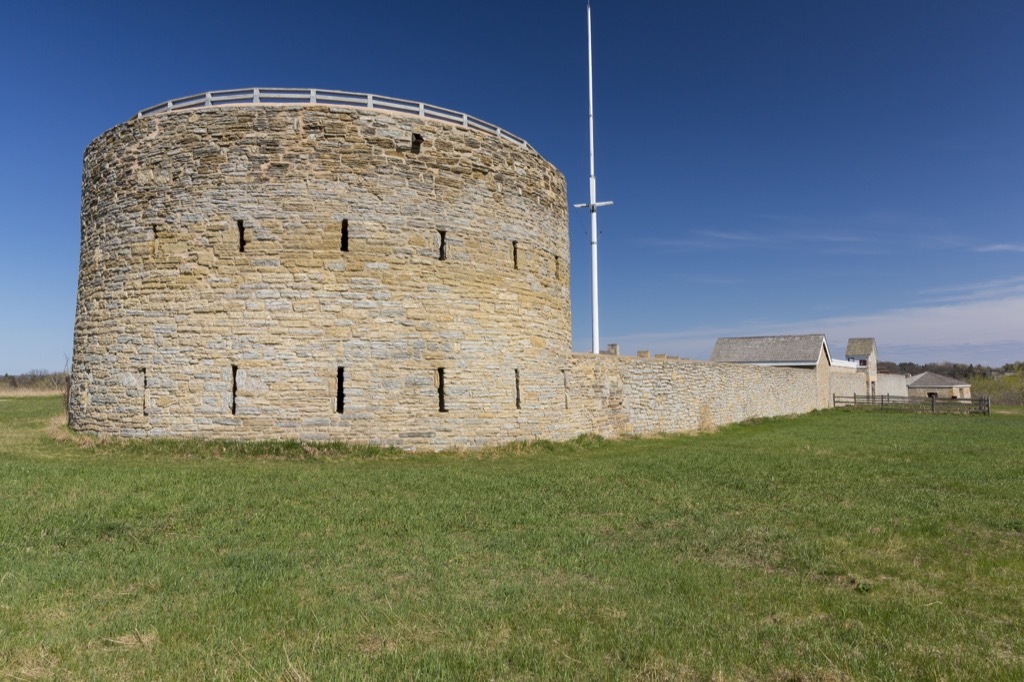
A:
{"x":36,"y":380}
{"x":956,"y":370}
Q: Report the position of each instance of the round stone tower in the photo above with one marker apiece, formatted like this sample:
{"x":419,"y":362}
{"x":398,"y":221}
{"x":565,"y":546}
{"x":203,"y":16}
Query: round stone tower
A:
{"x":320,"y":265}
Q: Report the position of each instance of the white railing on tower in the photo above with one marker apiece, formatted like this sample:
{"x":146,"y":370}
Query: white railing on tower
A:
{"x":264,"y":96}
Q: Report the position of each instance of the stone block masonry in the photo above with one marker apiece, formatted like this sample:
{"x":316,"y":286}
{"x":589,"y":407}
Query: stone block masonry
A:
{"x":334,"y":272}
{"x":847,"y":382}
{"x":237,"y":261}
{"x":618,"y":395}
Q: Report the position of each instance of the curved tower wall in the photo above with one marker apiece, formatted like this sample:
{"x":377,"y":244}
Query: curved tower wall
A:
{"x":237,"y":262}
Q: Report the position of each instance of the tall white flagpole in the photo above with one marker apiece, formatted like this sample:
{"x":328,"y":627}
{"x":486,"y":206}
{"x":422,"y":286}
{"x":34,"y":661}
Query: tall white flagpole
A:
{"x":594,"y":203}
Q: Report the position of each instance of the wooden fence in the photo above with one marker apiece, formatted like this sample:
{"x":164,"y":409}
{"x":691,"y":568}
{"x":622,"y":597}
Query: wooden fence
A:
{"x":904,"y":404}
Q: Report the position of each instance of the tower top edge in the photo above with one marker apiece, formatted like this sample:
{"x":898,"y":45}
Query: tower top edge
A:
{"x":331,"y":98}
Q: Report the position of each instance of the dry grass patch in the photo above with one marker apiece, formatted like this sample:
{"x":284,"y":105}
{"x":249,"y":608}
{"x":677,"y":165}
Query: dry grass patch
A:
{"x":57,"y":429}
{"x":39,"y":664}
{"x":11,"y":392}
{"x":133,"y":640}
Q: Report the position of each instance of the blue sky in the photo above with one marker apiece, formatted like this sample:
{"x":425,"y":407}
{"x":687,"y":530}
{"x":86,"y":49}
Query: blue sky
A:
{"x":777,"y":167}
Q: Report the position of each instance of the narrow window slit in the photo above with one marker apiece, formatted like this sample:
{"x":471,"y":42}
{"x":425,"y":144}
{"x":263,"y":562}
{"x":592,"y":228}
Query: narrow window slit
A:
{"x":519,"y":401}
{"x":241,"y":236}
{"x":145,"y":393}
{"x":565,"y":386}
{"x":442,"y":253}
{"x":234,"y":387}
{"x":440,"y":390}
{"x":344,"y":234}
{"x":515,"y":255}
{"x":558,"y":268}
{"x":341,"y":391}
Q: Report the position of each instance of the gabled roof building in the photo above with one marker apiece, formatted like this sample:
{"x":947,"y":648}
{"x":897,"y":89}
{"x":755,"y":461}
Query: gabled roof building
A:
{"x":803,"y":350}
{"x":861,"y":349}
{"x":930,"y":384}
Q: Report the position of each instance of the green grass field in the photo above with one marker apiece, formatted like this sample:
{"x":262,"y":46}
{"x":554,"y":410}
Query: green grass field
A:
{"x":833,"y":546}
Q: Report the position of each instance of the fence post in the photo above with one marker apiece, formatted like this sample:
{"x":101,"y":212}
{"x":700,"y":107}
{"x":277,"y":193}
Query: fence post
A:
{"x":933,"y":403}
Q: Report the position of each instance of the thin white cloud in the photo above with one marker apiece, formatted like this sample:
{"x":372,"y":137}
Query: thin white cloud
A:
{"x":709,"y":239}
{"x":713,"y":239}
{"x":976,"y":291}
{"x":979,"y":331}
{"x":850,"y":235}
{"x":731,"y":236}
{"x":856,"y":225}
{"x":855,"y":251}
{"x":996,"y":248}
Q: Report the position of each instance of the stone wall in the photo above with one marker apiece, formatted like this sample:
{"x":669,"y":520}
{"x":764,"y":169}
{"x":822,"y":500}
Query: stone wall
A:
{"x":891,"y":384}
{"x":238,"y":263}
{"x":942,"y":392}
{"x":618,"y":395}
{"x":846,"y":382}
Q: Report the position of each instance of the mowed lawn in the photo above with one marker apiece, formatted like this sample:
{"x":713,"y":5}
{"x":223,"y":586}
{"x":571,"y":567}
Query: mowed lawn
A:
{"x":831,"y":546}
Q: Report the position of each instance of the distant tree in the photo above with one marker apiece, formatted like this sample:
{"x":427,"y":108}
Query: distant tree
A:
{"x":956,"y":370}
{"x":1013,"y":367}
{"x":910,"y":368}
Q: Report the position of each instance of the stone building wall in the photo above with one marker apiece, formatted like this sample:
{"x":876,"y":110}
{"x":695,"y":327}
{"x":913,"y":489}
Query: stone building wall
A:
{"x":824,"y":371}
{"x":237,"y":262}
{"x":848,"y":382}
{"x":619,"y":395}
{"x":961,"y":392}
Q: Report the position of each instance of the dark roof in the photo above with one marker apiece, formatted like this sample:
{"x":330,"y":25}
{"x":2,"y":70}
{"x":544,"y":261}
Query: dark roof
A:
{"x":858,"y":347}
{"x":800,"y":350}
{"x":933,"y":380}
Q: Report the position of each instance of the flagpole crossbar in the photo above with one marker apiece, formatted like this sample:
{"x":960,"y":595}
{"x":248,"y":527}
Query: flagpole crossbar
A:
{"x":594,"y":206}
